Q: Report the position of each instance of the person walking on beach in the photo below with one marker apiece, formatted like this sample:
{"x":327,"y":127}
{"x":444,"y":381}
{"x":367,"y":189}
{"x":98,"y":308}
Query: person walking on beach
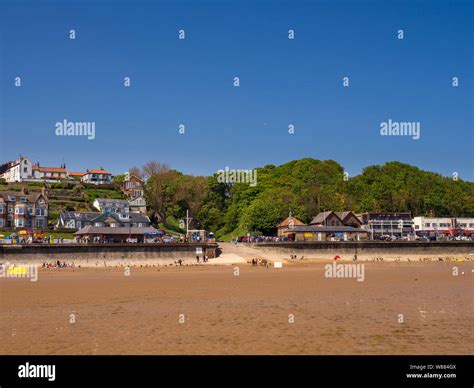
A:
{"x":197,"y":258}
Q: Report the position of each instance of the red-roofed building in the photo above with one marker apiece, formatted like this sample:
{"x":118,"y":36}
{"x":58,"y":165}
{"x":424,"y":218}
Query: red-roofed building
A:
{"x":76,"y":174}
{"x":97,"y":177}
{"x":287,"y":225}
{"x":47,"y":173}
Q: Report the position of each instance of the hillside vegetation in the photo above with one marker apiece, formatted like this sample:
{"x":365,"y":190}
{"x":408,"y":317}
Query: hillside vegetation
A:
{"x":303,"y":187}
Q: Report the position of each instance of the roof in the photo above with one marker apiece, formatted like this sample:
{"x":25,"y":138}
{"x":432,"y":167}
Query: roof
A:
{"x":49,"y":169}
{"x":100,"y":171}
{"x":115,"y":231}
{"x":5,"y":167}
{"x":137,"y":178}
{"x":101,"y":217}
{"x":76,"y":173}
{"x":286,"y":222}
{"x":80,"y":216}
{"x":385,"y":215}
{"x":327,"y":229}
{"x":321,"y":217}
{"x":105,"y":202}
{"x":138,"y":217}
{"x":344,"y":215}
{"x":32,"y":197}
{"x":132,"y":217}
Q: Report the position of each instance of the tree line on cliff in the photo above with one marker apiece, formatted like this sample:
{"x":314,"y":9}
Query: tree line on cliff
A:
{"x":303,"y":187}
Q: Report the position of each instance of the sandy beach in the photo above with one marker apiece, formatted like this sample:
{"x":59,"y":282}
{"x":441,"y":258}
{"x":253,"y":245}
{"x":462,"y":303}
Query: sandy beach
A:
{"x":209,"y":310}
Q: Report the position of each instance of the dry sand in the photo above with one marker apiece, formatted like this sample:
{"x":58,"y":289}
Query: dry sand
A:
{"x":245,"y":314}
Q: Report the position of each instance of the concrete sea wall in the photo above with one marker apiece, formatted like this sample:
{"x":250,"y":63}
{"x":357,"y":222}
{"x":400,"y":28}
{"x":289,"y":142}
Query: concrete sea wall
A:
{"x":104,"y":254}
{"x":366,"y":248}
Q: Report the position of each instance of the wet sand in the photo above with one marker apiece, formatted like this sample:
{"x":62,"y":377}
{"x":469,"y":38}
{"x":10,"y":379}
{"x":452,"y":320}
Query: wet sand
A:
{"x":245,"y":314}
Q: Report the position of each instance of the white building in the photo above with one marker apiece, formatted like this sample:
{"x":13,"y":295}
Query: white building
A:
{"x":97,"y":177}
{"x":19,"y":171}
{"x":138,"y":205}
{"x":120,"y":207}
{"x":443,"y":225}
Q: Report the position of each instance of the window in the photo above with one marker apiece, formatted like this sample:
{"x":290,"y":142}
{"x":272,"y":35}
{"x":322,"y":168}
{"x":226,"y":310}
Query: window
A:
{"x":2,"y":224}
{"x":427,"y":224}
{"x":12,"y":198}
{"x":70,"y":224}
{"x":23,"y":199}
{"x":2,"y":209}
{"x":462,"y":225}
{"x":40,"y":211}
{"x":471,"y":225}
{"x":40,"y":222}
{"x":19,"y":210}
{"x":25,"y":169}
{"x":19,"y":222}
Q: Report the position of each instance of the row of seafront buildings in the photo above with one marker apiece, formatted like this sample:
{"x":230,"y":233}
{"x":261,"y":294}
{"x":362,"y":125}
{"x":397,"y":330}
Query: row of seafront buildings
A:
{"x":348,"y":226}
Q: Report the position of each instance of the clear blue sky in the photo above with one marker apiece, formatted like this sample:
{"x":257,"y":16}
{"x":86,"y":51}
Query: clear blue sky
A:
{"x":282,"y":82}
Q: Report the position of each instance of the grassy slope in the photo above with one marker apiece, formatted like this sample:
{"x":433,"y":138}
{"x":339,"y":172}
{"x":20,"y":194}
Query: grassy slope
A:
{"x":68,"y":196}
